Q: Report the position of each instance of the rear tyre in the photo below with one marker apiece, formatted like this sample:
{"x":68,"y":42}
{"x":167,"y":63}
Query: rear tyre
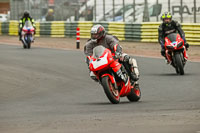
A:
{"x":179,"y":64}
{"x":109,"y":89}
{"x":135,"y":94}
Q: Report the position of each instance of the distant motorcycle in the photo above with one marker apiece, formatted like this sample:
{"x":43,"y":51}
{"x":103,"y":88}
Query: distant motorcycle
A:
{"x":104,"y":66}
{"x":176,"y":52}
{"x":27,"y":35}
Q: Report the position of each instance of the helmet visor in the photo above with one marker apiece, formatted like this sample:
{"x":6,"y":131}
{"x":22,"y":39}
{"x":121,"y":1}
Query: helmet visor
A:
{"x":26,"y":15}
{"x":95,"y":36}
{"x":167,"y":20}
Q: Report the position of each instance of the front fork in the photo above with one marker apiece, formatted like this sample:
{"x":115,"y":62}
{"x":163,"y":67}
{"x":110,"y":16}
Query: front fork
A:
{"x":185,"y":54}
{"x":169,"y":58}
{"x":112,"y":78}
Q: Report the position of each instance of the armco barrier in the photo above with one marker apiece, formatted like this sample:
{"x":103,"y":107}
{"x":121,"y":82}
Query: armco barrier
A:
{"x":85,"y":27}
{"x":57,"y":29}
{"x":45,"y":29}
{"x":132,"y":32}
{"x":5,"y":28}
{"x":13,"y":27}
{"x":192,"y":33}
{"x":149,"y":32}
{"x":37,"y":24}
{"x":117,"y":29}
{"x":70,"y":29}
{"x":143,"y":32}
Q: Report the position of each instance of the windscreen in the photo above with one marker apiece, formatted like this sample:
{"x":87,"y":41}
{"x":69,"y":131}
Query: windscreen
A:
{"x":98,"y":51}
{"x":172,"y":37}
{"x":28,"y":24}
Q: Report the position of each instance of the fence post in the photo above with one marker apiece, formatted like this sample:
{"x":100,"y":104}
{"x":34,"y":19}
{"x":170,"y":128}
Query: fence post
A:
{"x":95,"y":9}
{"x":104,"y":15}
{"x":181,"y":11}
{"x":123,"y":11}
{"x":86,"y":11}
{"x":113,"y":10}
{"x":168,"y":5}
{"x":146,"y":12}
{"x":157,"y":14}
{"x":195,"y":11}
{"x":133,"y":10}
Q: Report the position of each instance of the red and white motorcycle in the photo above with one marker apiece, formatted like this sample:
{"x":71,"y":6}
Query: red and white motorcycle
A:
{"x":104,"y":66}
{"x":27,"y":34}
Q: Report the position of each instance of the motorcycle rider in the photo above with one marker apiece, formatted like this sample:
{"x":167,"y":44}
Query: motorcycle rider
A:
{"x":99,"y":37}
{"x":26,"y":17}
{"x":167,"y":27}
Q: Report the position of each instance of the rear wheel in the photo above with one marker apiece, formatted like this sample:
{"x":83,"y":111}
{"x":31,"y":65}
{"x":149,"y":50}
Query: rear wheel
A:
{"x":135,"y":94}
{"x":179,"y":64}
{"x":109,"y":89}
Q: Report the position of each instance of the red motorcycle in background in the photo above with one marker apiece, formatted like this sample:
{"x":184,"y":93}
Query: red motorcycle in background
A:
{"x":27,"y":34}
{"x":104,"y":66}
{"x":176,"y":52}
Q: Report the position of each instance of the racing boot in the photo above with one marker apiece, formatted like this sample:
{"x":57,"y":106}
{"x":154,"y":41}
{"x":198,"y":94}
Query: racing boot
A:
{"x":93,"y":76}
{"x":164,"y":55}
{"x":163,"y":52}
{"x":187,"y":45}
{"x":131,"y":67}
{"x":133,"y":75}
{"x":134,"y":69}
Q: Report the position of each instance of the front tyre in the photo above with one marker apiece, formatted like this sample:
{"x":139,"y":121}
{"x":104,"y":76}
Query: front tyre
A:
{"x":29,"y":45}
{"x":135,"y":94}
{"x":179,"y":64}
{"x":24,"y":46}
{"x":29,"y":42}
{"x":111,"y":92}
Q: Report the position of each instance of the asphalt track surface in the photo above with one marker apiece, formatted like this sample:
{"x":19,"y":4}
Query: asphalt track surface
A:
{"x":50,"y":91}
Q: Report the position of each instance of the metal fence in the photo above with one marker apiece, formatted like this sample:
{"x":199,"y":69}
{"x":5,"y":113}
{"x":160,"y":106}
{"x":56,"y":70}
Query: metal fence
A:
{"x":106,"y":10}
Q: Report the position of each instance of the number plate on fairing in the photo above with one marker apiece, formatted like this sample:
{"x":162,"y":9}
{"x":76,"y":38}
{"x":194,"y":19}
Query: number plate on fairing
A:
{"x":100,"y":62}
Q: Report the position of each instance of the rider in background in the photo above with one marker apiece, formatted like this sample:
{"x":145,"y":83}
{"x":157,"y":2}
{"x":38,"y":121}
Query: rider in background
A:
{"x":99,"y":37}
{"x":167,"y":27}
{"x":26,"y":17}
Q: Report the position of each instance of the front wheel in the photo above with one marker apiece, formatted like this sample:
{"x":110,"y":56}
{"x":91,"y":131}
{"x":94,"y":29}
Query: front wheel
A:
{"x":179,"y":64}
{"x":24,"y":46}
{"x":29,"y":45}
{"x":135,"y":94}
{"x":28,"y":42}
{"x":109,"y":89}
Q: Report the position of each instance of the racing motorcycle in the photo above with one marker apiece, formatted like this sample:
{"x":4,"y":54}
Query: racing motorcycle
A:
{"x":104,"y":66}
{"x":176,"y":52}
{"x":27,"y":34}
